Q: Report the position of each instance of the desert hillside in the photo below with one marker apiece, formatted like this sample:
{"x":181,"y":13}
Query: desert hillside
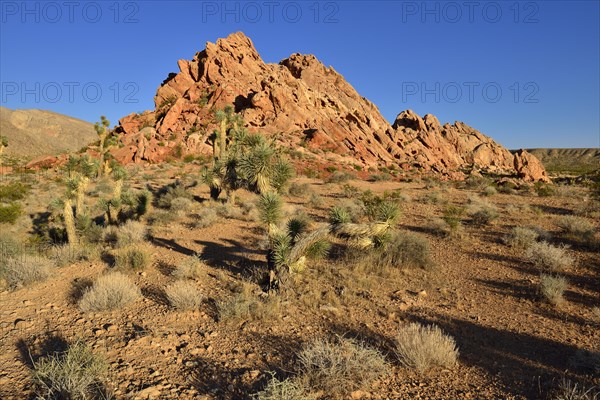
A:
{"x":33,"y":133}
{"x":569,"y":160}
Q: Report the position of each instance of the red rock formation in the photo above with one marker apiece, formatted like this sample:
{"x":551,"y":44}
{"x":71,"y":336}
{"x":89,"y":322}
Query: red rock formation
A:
{"x":306,"y":105}
{"x":529,"y":168}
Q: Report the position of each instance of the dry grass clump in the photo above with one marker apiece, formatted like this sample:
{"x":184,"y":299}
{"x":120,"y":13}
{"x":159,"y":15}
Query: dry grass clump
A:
{"x":133,"y":258}
{"x":245,"y":305}
{"x":482,"y":212}
{"x":25,"y":269}
{"x":489,"y":191}
{"x":576,"y":227}
{"x":67,"y":254}
{"x":181,"y":205}
{"x":570,"y":390}
{"x":425,"y":346}
{"x":184,"y":295}
{"x":300,"y":189}
{"x":287,"y":389}
{"x":75,"y":374}
{"x":132,"y":232}
{"x":402,"y":250}
{"x":548,"y":257}
{"x":109,"y":292}
{"x":521,"y":238}
{"x":552,"y":288}
{"x":189,"y":268}
{"x":340,"y":367}
{"x":205,"y":217}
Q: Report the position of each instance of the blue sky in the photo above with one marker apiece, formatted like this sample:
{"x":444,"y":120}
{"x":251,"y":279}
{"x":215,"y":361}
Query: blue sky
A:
{"x":526,"y":73}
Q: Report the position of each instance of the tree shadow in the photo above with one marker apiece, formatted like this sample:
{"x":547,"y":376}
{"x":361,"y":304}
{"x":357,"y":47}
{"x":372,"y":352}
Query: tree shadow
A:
{"x":231,"y":258}
{"x":500,"y":258}
{"x":171,"y":245}
{"x":514,"y":288}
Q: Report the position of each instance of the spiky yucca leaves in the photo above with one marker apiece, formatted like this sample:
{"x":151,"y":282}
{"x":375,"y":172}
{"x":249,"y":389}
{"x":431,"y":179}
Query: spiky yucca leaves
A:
{"x":213,"y":179}
{"x":282,"y":172}
{"x":339,"y":215}
{"x":270,"y":209}
{"x":106,"y":140}
{"x":256,"y":166}
{"x":296,"y":226}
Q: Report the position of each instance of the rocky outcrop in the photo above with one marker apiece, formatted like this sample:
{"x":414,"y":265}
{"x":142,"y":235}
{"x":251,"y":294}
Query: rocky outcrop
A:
{"x":303,"y":105}
{"x":529,"y":168}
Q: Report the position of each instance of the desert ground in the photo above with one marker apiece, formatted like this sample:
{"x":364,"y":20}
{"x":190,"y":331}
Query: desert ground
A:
{"x":509,"y":273}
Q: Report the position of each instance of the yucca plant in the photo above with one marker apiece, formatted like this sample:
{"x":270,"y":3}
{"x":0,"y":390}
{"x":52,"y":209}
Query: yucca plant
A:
{"x":270,"y":209}
{"x":106,"y":140}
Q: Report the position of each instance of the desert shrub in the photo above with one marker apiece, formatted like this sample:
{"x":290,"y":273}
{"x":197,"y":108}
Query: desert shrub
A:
{"x":25,"y":269}
{"x":87,"y":229}
{"x":9,"y":247}
{"x":340,"y":367}
{"x":184,"y":295}
{"x":521,"y":238}
{"x":205,"y":217}
{"x":381,"y":177}
{"x":67,"y":254}
{"x":171,"y":192}
{"x":9,"y":213}
{"x":76,"y":373}
{"x":544,"y":189}
{"x":548,"y":257}
{"x":109,"y":292}
{"x":339,"y":177}
{"x":482,"y":212}
{"x":476,"y":182}
{"x":181,"y":205}
{"x":489,"y":191}
{"x":315,"y":201}
{"x":299,"y":189}
{"x":552,"y":288}
{"x":130,"y":233}
{"x":247,"y":306}
{"x":134,"y":258}
{"x":377,"y":208}
{"x":403,"y":250}
{"x":576,"y":227}
{"x":452,"y":216}
{"x":230,"y":211}
{"x":288,"y":389}
{"x":189,"y":268}
{"x":13,"y":191}
{"x":432,"y":197}
{"x":425,"y":346}
{"x":270,"y":208}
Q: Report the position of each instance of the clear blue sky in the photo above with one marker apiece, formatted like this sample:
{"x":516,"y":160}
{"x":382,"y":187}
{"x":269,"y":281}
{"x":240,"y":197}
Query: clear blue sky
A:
{"x":447,"y":58}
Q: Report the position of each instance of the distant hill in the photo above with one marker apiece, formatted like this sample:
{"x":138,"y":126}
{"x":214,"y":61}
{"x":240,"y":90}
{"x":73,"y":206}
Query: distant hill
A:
{"x":33,"y":133}
{"x":569,"y":161}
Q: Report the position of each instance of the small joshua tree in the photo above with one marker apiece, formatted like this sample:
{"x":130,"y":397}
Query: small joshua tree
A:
{"x":243,"y":160}
{"x":106,"y":141}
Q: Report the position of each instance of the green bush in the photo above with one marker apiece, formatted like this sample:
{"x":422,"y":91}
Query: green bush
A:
{"x":10,"y":213}
{"x":12,"y":192}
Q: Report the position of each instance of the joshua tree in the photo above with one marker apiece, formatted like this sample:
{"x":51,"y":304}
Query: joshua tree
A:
{"x":106,"y":141}
{"x":79,"y":171}
{"x":67,"y":211}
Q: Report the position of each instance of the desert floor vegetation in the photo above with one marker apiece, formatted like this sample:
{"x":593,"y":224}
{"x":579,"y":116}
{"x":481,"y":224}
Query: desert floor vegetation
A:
{"x":329,"y":286}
